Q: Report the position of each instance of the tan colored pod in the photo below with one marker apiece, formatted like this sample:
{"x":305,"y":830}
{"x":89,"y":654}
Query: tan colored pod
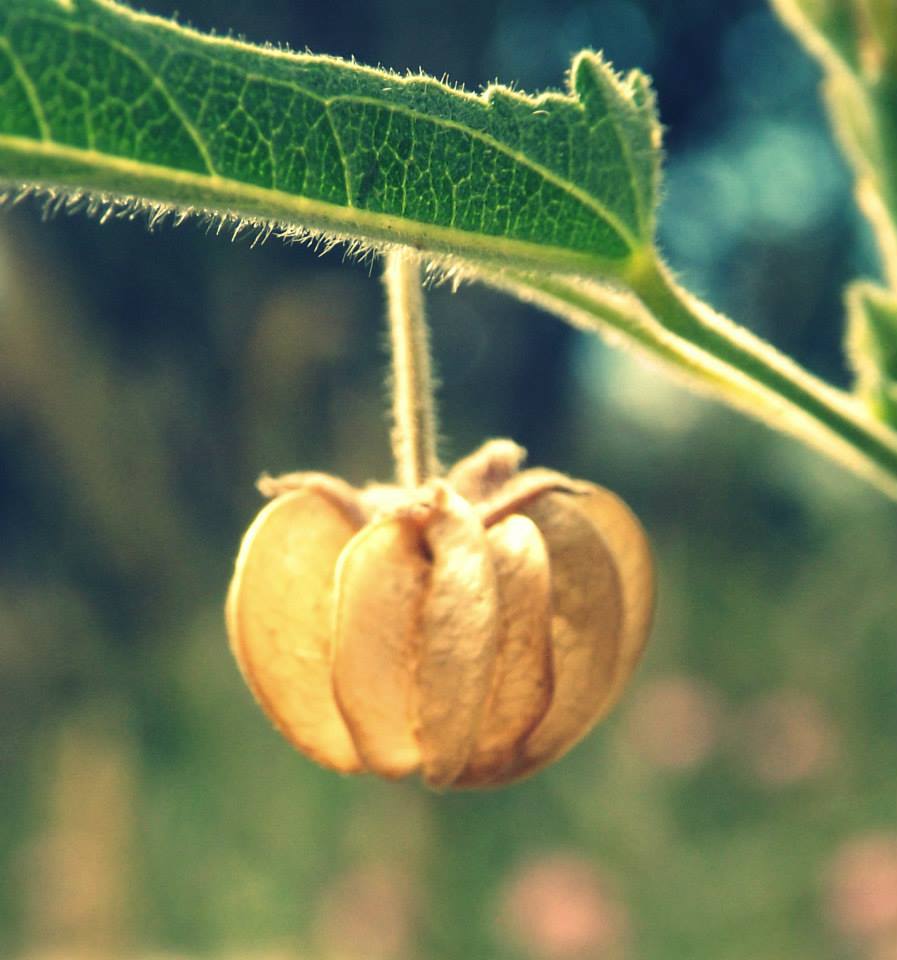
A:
{"x":473,"y":629}
{"x":279,"y":610}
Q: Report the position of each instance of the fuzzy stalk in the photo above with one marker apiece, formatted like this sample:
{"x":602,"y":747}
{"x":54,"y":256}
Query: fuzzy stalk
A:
{"x":413,"y":408}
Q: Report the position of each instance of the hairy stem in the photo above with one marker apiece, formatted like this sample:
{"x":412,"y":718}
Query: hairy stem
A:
{"x":667,"y":323}
{"x":414,"y":417}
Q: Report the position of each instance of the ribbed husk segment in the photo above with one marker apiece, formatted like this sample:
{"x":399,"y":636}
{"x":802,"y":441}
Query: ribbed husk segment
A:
{"x":279,"y":613}
{"x":523,"y":679}
{"x":472,"y":638}
{"x":414,"y":636}
{"x":586,"y":619}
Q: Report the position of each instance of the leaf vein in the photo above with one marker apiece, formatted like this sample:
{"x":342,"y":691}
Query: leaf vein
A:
{"x":27,"y":83}
{"x":154,"y":79}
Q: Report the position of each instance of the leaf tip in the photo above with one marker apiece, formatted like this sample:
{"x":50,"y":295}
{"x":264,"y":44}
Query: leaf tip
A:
{"x":592,"y":78}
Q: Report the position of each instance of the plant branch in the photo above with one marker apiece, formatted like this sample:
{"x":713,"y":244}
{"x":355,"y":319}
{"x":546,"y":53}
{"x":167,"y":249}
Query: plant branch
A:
{"x":667,"y":323}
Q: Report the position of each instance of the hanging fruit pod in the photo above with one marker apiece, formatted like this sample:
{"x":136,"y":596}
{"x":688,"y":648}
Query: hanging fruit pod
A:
{"x":472,"y":630}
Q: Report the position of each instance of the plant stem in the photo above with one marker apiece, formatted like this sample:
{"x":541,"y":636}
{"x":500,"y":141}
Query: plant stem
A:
{"x":805,"y":403}
{"x":665,"y":322}
{"x":414,"y":417}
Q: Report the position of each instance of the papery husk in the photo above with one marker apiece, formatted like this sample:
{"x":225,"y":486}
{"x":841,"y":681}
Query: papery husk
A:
{"x":279,"y":611}
{"x":473,"y":629}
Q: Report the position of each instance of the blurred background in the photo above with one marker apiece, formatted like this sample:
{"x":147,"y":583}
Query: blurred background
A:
{"x":738,"y":804}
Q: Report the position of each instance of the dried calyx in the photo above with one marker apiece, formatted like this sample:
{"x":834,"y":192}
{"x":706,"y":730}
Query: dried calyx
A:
{"x":472,"y":629}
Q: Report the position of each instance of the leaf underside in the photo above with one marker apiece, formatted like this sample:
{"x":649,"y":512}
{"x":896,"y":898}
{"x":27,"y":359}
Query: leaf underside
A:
{"x":96,"y":97}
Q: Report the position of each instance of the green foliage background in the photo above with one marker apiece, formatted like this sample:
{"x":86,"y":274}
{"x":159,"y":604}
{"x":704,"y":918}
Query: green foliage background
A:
{"x":147,"y":808}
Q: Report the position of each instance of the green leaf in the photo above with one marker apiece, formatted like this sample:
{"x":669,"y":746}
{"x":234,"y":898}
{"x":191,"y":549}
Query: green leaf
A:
{"x":872,"y":347}
{"x":96,"y":97}
{"x":855,"y":41}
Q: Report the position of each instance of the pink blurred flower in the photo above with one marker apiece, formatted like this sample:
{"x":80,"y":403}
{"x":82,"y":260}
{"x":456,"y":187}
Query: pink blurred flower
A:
{"x":674,"y":722}
{"x":785,"y":738}
{"x":861,"y":890}
{"x":559,"y":907}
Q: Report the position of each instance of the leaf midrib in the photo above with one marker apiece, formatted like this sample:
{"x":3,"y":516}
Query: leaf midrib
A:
{"x":342,"y":222}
